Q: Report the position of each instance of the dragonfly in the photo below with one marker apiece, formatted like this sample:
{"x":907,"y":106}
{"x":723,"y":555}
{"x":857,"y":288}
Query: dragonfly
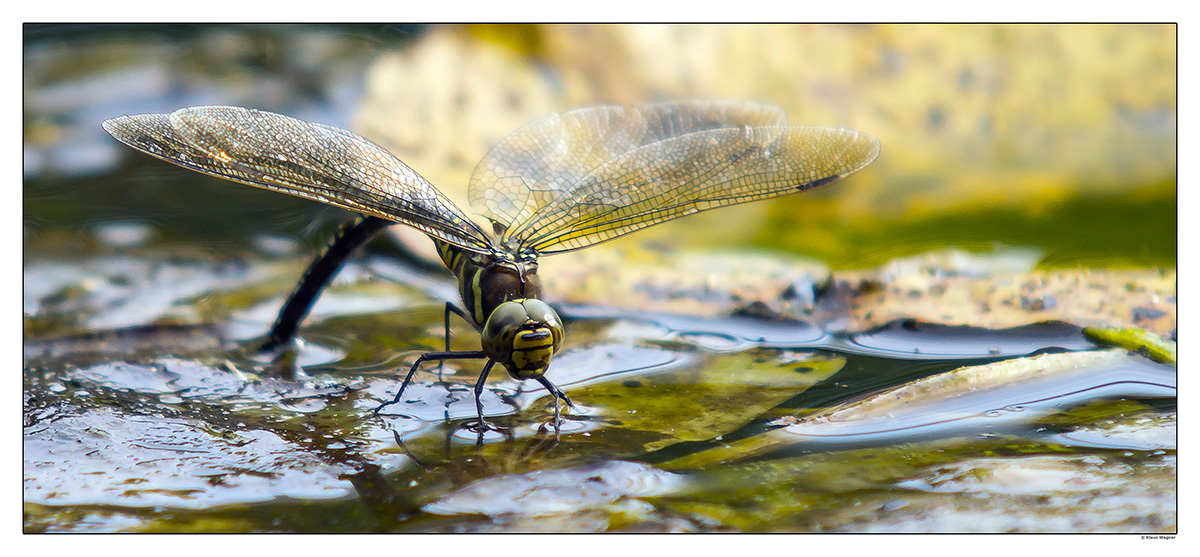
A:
{"x":562,"y":182}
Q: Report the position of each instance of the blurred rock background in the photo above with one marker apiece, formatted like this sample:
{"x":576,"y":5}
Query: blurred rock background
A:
{"x":1061,"y":137}
{"x":990,"y":133}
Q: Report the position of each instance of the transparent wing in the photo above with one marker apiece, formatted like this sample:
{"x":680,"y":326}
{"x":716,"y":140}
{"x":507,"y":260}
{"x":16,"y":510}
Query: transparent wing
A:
{"x":299,"y":158}
{"x":689,"y":173}
{"x":538,"y":162}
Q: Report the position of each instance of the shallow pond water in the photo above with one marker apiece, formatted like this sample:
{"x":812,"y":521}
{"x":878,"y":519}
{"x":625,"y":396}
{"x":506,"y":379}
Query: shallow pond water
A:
{"x":166,"y":427}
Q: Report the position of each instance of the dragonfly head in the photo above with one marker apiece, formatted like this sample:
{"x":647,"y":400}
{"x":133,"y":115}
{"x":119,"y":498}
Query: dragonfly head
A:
{"x":522,"y":335}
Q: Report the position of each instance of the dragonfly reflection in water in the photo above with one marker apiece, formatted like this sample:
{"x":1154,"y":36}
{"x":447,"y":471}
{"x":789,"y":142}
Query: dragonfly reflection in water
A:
{"x":560,"y":183}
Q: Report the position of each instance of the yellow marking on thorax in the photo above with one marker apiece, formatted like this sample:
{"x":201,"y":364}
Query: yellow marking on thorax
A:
{"x":478,"y":295}
{"x":449,"y":256}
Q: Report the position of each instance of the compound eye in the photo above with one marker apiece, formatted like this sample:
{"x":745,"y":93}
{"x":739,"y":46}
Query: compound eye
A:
{"x":501,"y":330}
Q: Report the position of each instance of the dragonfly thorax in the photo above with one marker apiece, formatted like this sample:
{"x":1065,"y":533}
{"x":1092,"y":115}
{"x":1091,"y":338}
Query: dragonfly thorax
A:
{"x":487,"y":280}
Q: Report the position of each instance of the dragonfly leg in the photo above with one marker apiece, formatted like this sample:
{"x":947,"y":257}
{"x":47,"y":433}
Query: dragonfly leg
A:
{"x":439,"y":356}
{"x":487,"y":368}
{"x":349,"y":237}
{"x":451,"y":308}
{"x":557,"y":393}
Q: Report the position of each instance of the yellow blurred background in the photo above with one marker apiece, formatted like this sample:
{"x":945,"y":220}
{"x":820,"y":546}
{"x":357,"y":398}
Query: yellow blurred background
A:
{"x":1013,"y":134}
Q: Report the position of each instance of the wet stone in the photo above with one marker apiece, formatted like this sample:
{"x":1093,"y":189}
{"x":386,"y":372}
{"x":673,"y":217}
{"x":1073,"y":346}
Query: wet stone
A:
{"x":103,"y":457}
{"x":564,"y":491}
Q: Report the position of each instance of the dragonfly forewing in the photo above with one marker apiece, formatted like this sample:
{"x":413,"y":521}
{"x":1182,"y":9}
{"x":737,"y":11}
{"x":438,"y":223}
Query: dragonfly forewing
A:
{"x":687,"y":174}
{"x":299,"y":158}
{"x":543,"y":160}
